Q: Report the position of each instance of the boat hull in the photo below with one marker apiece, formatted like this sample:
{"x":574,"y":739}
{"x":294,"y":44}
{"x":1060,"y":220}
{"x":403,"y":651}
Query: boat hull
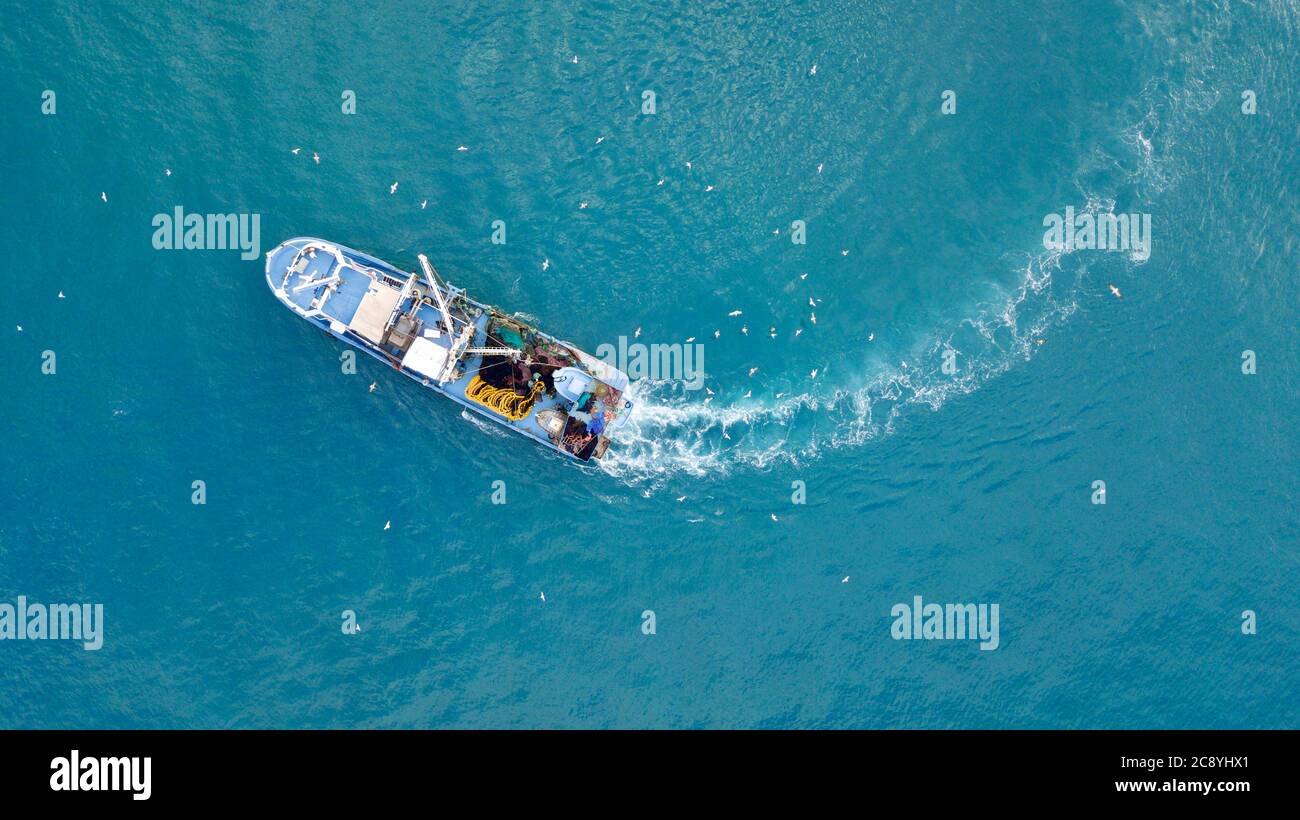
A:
{"x":493,"y":365}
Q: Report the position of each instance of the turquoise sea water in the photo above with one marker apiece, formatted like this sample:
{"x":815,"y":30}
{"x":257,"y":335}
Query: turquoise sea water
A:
{"x":973,"y":486}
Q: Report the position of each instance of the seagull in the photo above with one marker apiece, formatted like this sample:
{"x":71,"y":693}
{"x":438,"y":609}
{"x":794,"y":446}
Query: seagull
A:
{"x":316,"y":157}
{"x":797,"y":331}
{"x":846,"y":580}
{"x":167,"y":171}
{"x":294,"y":151}
{"x":60,"y":294}
{"x":392,"y":189}
{"x":748,"y":394}
{"x":681,"y":498}
{"x":752,"y":371}
{"x":819,"y":167}
{"x":20,"y":328}
{"x":709,"y":390}
{"x":575,"y":59}
{"x":726,"y":435}
{"x":717,"y":333}
{"x":744,"y":329}
{"x":904,"y":364}
{"x":388,"y":525}
{"x":543,"y":595}
{"x":424,"y":203}
{"x":1115,"y":291}
{"x":772,"y":332}
{"x":813,"y":70}
{"x":637,"y":334}
{"x":812,"y":302}
{"x":734,"y":313}
{"x":813,"y":317}
{"x":103,"y":195}
{"x":463,"y":148}
{"x":582,"y":205}
{"x":374,"y":386}
{"x":774,"y":518}
{"x":871,"y":337}
{"x":1039,"y":341}
{"x":689,"y":340}
{"x":660,"y":182}
{"x":708,"y":188}
{"x":599,"y":140}
{"x":546,"y":263}
{"x":813,"y":374}
{"x":707,"y":399}
{"x":776,"y":232}
{"x":803,"y":276}
{"x":844,"y":252}
{"x":688,"y":163}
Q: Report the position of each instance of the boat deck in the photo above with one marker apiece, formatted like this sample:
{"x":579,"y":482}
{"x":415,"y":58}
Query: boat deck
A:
{"x":344,"y":279}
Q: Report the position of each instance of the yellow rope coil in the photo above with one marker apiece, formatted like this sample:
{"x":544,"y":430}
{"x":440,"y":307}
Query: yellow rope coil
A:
{"x":503,"y":400}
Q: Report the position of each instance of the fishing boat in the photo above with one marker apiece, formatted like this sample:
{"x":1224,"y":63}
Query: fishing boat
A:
{"x":494,"y":364}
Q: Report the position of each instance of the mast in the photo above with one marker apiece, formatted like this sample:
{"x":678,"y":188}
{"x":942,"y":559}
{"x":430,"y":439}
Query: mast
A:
{"x":437,"y":295}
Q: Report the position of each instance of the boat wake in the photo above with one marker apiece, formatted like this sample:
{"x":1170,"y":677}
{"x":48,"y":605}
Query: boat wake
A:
{"x":673,"y":433}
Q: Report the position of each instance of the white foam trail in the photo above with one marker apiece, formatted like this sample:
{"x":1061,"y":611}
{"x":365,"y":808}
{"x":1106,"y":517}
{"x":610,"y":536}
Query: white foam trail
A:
{"x":491,"y":429}
{"x":671,"y":434}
